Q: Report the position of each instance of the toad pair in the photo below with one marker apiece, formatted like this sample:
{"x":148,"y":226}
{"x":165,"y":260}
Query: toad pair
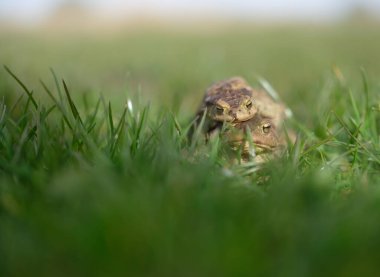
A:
{"x":248,"y":115}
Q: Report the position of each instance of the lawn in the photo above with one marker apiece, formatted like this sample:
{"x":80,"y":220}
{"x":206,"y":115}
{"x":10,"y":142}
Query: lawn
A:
{"x":97,"y":177}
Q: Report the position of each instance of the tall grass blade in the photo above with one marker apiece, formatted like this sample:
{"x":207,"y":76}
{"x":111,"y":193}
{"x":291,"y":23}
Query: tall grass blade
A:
{"x":110,"y":119}
{"x":29,"y":93}
{"x":59,"y":105}
{"x":57,"y":85}
{"x":74,"y":109}
{"x":366,"y":90}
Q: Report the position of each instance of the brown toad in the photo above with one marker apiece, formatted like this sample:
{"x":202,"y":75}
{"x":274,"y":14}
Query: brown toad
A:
{"x":232,"y":103}
{"x":259,"y":138}
{"x":229,"y":100}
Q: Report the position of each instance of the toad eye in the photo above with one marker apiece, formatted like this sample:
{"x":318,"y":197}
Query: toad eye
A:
{"x":249,"y":105}
{"x":266,"y":128}
{"x":219,"y":110}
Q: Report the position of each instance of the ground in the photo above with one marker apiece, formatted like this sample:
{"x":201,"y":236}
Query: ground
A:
{"x":92,"y":185}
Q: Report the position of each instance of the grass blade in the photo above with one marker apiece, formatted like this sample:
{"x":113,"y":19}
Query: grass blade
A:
{"x":65,"y":118}
{"x":29,"y":93}
{"x":110,"y":118}
{"x":72,"y":105}
{"x":57,"y":85}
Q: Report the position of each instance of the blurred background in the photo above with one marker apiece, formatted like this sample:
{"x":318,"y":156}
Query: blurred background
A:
{"x":40,"y":12}
{"x":170,"y":51}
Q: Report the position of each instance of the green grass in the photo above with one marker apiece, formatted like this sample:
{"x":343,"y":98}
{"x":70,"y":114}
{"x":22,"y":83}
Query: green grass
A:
{"x":91,"y":186}
{"x":173,"y":68}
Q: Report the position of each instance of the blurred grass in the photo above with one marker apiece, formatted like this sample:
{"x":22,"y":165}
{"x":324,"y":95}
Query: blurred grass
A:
{"x":173,"y":67}
{"x":95,"y":188}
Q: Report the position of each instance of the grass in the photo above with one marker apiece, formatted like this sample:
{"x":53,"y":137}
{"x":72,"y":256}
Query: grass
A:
{"x":93,"y":187}
{"x":172,"y":68}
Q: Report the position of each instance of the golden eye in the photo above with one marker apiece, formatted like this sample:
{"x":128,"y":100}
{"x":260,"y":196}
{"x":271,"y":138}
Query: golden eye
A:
{"x":249,"y":105}
{"x":266,"y":128}
{"x":219,"y":110}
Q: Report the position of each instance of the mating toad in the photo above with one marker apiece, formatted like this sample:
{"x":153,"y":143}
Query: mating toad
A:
{"x":252,"y":118}
{"x":230,"y":100}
